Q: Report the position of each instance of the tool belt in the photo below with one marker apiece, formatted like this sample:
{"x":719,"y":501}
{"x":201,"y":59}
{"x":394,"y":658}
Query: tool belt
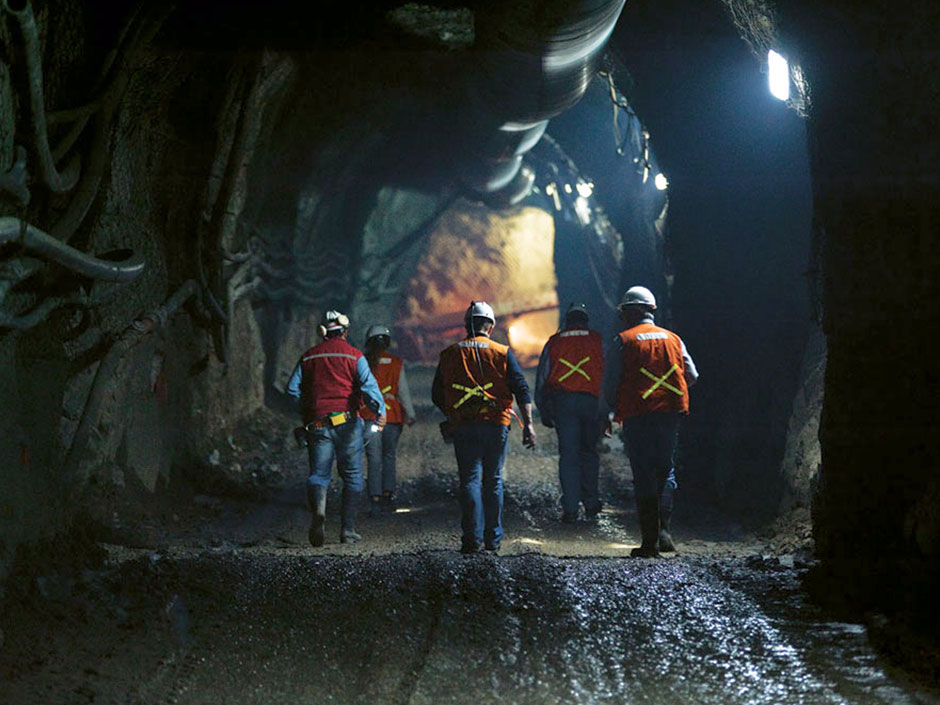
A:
{"x":337,"y":418}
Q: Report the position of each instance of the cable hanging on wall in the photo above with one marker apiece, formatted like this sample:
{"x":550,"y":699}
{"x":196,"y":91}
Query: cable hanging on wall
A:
{"x":634,"y":131}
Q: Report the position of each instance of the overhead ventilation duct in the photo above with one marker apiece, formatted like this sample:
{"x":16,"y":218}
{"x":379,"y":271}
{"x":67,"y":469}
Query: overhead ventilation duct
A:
{"x":534,"y":59}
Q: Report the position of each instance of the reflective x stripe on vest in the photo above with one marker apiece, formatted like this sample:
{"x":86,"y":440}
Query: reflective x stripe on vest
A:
{"x":477,"y":391}
{"x":574,"y":368}
{"x":660,"y":381}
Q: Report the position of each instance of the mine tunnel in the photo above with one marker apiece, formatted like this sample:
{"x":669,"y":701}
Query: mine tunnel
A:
{"x":187,"y":189}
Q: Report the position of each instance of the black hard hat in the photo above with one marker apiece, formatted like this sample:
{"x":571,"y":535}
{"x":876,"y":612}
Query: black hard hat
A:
{"x":576,"y":308}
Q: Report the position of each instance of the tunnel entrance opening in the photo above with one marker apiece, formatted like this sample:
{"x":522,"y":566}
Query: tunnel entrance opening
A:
{"x":477,"y":254}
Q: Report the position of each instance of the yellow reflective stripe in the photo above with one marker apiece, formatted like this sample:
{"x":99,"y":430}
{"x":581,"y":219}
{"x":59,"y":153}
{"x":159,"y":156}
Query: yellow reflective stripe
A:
{"x":477,"y":391}
{"x":574,"y":368}
{"x":660,"y":381}
{"x":387,"y":389}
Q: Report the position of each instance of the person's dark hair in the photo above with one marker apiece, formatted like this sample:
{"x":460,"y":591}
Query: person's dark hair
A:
{"x":477,"y":324}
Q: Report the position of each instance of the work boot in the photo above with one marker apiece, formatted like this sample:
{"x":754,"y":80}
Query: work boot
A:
{"x":648,"y":512}
{"x":350,"y":502}
{"x":666,"y":544}
{"x":591,"y":513}
{"x":316,"y":496}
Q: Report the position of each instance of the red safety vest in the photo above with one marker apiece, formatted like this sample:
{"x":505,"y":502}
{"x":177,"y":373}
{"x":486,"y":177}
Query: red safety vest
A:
{"x":474,"y":375}
{"x":328,"y":381}
{"x":387,"y":372}
{"x":653,"y":373}
{"x":576,"y":361}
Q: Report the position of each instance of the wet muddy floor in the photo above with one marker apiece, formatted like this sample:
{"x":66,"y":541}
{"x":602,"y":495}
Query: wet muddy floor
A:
{"x":218,"y":599}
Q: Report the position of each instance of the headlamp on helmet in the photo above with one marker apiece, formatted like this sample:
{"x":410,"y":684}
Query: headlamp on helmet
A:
{"x":576,"y":310}
{"x":379,"y":331}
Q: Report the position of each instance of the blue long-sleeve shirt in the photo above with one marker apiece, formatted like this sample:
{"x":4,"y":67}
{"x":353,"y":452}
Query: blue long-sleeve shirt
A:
{"x":368,"y":386}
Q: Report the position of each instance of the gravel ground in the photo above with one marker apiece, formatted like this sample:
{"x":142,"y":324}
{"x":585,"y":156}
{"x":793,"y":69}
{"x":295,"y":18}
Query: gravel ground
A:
{"x":201,"y":597}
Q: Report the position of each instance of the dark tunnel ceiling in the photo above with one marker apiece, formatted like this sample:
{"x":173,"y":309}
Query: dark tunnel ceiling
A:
{"x":293,"y":25}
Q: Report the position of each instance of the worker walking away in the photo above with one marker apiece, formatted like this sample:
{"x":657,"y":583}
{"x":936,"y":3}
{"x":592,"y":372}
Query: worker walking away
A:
{"x":329,"y":381}
{"x":646,"y":383}
{"x":474,"y":385}
{"x":567,"y":387}
{"x":382,"y":444}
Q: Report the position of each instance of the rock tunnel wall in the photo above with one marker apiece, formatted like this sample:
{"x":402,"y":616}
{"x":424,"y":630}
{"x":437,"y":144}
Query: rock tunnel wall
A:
{"x":873,"y":122}
{"x":153,"y":158}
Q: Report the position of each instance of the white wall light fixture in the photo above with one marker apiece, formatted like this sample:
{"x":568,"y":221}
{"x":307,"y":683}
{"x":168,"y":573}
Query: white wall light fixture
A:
{"x":778,"y":75}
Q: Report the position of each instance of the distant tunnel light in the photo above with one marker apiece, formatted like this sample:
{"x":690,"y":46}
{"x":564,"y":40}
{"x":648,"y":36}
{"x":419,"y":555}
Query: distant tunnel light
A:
{"x":585,"y":189}
{"x":661,"y":182}
{"x":778,"y":75}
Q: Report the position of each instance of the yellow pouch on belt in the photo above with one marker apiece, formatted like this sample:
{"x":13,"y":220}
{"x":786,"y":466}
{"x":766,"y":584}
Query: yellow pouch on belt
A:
{"x":337,"y":419}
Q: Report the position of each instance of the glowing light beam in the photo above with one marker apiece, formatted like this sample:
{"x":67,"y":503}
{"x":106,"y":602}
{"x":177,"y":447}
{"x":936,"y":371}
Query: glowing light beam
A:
{"x":531,"y":542}
{"x":778,"y":75}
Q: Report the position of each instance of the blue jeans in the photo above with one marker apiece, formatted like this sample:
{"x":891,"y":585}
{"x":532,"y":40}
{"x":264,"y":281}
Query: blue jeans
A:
{"x":381,"y":457}
{"x":650,"y":440}
{"x":345,"y":443}
{"x":578,"y":428}
{"x":480,"y":448}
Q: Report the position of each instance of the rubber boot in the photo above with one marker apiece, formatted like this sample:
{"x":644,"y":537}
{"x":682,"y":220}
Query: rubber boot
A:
{"x":666,"y":544}
{"x":316,"y":496}
{"x":648,"y":512}
{"x":350,"y":503}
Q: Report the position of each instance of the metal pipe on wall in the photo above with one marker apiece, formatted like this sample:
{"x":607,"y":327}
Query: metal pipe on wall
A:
{"x":35,"y":241}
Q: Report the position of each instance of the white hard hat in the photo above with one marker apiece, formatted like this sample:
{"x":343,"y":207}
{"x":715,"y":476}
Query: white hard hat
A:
{"x":333,"y":321}
{"x":377,"y":330}
{"x":479,"y":309}
{"x":638,"y":296}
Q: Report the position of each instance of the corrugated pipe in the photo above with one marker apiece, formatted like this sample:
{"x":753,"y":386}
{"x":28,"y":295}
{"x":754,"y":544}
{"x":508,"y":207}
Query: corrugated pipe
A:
{"x":35,"y":241}
{"x":25,"y":24}
{"x":535,"y":59}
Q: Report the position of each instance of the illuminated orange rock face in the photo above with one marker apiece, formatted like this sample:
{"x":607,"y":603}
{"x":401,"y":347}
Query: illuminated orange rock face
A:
{"x":504,"y":258}
{"x":528,"y":333}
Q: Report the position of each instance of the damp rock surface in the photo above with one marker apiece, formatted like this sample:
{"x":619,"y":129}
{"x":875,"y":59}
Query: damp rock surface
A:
{"x":437,"y":627}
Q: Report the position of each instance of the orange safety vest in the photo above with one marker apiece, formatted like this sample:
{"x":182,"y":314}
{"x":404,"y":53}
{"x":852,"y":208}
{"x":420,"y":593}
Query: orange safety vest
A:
{"x":576,"y":361}
{"x":474,"y":375}
{"x":387,"y":373}
{"x":653,"y":373}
